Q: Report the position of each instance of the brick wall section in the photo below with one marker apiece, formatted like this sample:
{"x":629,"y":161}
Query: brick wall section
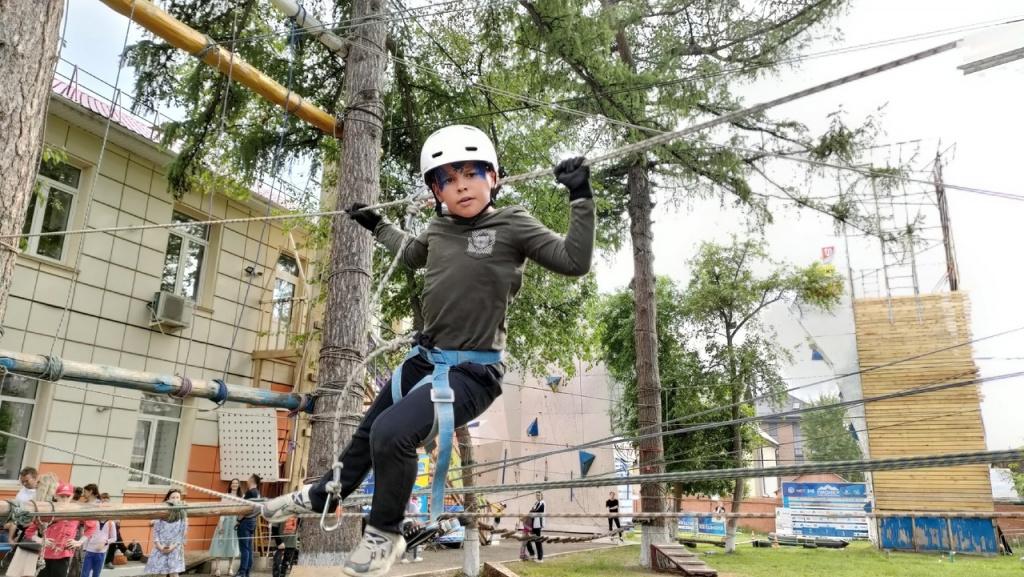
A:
{"x":1012,"y":528}
{"x":753,"y":505}
{"x":203,"y":470}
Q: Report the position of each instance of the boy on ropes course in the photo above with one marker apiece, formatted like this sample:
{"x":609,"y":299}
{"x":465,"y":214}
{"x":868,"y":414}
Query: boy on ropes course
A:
{"x":474,"y":255}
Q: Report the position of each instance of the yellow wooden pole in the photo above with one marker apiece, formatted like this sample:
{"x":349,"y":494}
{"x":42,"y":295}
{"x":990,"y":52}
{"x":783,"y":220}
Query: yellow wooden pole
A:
{"x":152,"y":18}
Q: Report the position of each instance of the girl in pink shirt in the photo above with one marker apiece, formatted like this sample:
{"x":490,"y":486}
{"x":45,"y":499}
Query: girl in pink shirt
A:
{"x":59,"y":542}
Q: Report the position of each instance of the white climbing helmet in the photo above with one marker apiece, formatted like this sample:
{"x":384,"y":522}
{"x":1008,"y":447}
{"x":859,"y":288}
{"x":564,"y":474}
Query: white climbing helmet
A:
{"x":456,"y":143}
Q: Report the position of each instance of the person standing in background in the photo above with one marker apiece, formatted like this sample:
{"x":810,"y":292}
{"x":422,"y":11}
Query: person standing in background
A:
{"x":118,"y":542}
{"x":536,"y":525}
{"x":247,"y":528}
{"x":95,"y":547}
{"x":168,"y":554}
{"x":224,"y":545}
{"x":612,"y":504}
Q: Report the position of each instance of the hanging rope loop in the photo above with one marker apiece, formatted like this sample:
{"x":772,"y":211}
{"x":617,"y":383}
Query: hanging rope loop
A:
{"x":222,"y":393}
{"x":54,"y":370}
{"x":184,"y":390}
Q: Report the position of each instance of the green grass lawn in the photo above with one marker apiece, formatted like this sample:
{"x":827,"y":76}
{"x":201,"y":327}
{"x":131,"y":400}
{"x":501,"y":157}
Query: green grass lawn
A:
{"x":857,"y":560}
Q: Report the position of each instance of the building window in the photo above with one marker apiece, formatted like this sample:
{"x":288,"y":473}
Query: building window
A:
{"x":285,"y":282}
{"x":156,"y":435}
{"x":187,"y":245}
{"x":50,"y":209}
{"x":17,"y":400}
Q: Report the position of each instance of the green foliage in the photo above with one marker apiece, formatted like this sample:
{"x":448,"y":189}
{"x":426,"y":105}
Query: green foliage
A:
{"x":655,"y":66}
{"x":726,"y":294}
{"x":826,"y":436}
{"x":53,"y":156}
{"x":730,"y":287}
{"x":225,"y":120}
{"x":688,"y":385}
{"x":1017,"y":477}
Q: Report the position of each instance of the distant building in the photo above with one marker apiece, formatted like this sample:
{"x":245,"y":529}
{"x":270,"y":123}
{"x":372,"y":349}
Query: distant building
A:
{"x":784,"y":429}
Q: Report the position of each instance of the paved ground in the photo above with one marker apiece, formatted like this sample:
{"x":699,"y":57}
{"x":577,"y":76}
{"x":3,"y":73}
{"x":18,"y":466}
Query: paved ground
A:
{"x":434,"y":560}
{"x":507,"y":550}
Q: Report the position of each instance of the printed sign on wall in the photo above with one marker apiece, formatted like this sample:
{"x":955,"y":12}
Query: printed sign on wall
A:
{"x":823,"y":510}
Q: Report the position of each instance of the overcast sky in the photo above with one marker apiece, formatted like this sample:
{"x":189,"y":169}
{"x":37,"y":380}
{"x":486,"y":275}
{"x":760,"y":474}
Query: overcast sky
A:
{"x":930,"y":102}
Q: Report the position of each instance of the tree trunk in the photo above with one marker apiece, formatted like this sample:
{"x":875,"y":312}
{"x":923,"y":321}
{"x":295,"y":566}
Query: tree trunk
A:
{"x":646,"y":338}
{"x":737,"y":444}
{"x":350,"y":270}
{"x":471,"y":543}
{"x":29,"y":37}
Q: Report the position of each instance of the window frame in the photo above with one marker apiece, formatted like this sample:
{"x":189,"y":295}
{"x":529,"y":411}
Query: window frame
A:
{"x":154,"y":420}
{"x":40,"y":199}
{"x":187,"y":238}
{"x":33,"y":402}
{"x":291,"y":325}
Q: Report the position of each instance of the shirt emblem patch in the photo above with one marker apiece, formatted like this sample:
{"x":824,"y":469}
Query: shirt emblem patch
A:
{"x":481,"y":242}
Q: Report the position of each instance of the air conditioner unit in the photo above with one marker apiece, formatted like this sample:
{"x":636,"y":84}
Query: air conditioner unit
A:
{"x":171,"y":310}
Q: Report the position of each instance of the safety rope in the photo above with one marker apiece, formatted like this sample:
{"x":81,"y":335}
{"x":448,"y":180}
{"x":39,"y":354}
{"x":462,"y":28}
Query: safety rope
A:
{"x":109,"y":463}
{"x":222,"y":393}
{"x":54,"y":370}
{"x":184,"y":390}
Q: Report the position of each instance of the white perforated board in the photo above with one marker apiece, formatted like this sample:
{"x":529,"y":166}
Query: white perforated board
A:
{"x":248,"y":443}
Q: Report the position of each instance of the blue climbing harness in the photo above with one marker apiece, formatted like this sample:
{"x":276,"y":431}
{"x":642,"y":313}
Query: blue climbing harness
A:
{"x":443,"y":398}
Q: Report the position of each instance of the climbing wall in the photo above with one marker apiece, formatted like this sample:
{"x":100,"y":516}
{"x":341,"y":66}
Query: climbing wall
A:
{"x":947,"y":421}
{"x":248,"y":443}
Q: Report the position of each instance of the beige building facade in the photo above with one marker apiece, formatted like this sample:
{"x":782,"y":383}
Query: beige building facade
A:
{"x":94,"y":298}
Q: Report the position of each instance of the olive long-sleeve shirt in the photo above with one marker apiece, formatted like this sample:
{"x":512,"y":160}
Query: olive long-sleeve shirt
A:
{"x":474,"y":268}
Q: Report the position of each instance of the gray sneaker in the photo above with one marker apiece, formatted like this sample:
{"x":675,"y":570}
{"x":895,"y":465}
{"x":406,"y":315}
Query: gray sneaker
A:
{"x":375,"y":553}
{"x":279,"y":509}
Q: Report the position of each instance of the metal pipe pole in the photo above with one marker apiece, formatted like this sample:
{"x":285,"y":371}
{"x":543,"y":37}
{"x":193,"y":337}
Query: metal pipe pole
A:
{"x":42,"y":366}
{"x":312,"y":25}
{"x":179,"y":35}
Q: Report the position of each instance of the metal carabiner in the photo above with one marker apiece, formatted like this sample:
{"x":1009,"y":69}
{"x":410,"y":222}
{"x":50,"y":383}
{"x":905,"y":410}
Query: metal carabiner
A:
{"x":333,"y":492}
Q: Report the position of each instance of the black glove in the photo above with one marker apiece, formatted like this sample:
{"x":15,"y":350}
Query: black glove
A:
{"x":367,"y":219}
{"x":575,"y":175}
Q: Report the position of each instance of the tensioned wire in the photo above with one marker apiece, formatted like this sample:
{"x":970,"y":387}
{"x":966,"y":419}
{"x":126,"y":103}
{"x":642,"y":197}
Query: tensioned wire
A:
{"x":924,"y":389}
{"x":299,"y":216}
{"x":714,"y":410}
{"x":629,"y":149}
{"x":860,"y":465}
{"x":730,"y":473}
{"x":660,"y":138}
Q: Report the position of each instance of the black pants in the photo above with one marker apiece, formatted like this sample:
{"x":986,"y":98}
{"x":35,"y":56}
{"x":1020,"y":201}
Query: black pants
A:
{"x":614,"y":520}
{"x":116,"y":545}
{"x":389,"y":434}
{"x":56,"y":567}
{"x":540,"y":546}
{"x":283,"y":561}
